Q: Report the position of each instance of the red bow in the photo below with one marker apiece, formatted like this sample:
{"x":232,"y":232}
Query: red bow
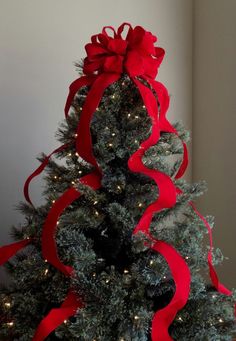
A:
{"x":135,"y":55}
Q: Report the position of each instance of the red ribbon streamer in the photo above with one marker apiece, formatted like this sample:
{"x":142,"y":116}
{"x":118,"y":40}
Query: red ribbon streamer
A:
{"x":8,"y":251}
{"x":39,"y":171}
{"x":49,"y":248}
{"x":57,"y":316}
{"x":106,"y":59}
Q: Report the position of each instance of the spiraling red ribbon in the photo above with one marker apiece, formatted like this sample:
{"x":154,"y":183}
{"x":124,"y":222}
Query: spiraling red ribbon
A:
{"x":107,"y":59}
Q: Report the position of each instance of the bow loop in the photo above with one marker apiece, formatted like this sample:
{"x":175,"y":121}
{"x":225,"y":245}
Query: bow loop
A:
{"x":135,"y":54}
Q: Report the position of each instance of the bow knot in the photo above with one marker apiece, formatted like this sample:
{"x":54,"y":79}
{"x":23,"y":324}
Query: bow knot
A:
{"x":135,"y":55}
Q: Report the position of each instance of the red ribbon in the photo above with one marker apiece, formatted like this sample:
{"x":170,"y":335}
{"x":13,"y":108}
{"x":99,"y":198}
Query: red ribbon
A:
{"x":107,"y":58}
{"x":57,"y":316}
{"x":8,"y":251}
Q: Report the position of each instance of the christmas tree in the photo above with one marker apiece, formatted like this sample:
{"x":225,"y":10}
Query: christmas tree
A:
{"x":117,"y":251}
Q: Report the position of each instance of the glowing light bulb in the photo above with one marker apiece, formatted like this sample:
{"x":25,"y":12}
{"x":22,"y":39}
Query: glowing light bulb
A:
{"x":55,"y":177}
{"x":129,"y":115}
{"x":136,"y":116}
{"x":7,"y":304}
{"x":45,"y":272}
{"x":95,"y":202}
{"x":53,"y":201}
{"x":65,"y":321}
{"x":107,"y":280}
{"x":96,"y":212}
{"x":110,"y":144}
{"x":113,"y":134}
{"x":180,"y":318}
{"x":10,"y":324}
{"x":136,"y":317}
{"x":140,"y":204}
{"x":80,"y":172}
{"x":126,"y":271}
{"x":69,"y":154}
{"x":151,"y":262}
{"x":220,"y":320}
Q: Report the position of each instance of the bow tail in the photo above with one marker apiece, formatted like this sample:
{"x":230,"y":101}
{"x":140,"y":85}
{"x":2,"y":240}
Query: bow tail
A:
{"x":182,"y":278}
{"x":57,"y":316}
{"x":8,"y":251}
{"x":167,"y":198}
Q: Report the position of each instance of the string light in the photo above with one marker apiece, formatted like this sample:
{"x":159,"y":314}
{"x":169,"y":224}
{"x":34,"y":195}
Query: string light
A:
{"x":187,"y":257}
{"x":213,"y":296}
{"x":164,"y":277}
{"x":10,"y":324}
{"x":220,"y":320}
{"x":96,"y":212}
{"x":136,"y":116}
{"x":80,"y":172}
{"x":65,"y":321}
{"x":113,"y":96}
{"x":58,"y":223}
{"x":76,"y":135}
{"x":107,"y":281}
{"x":45,"y":260}
{"x":95,"y":202}
{"x":94,"y":274}
{"x":72,"y":182}
{"x":110,"y":144}
{"x":53,"y":201}
{"x":140,"y":204}
{"x":151,"y":262}
{"x":7,"y":304}
{"x":126,"y":271}
{"x":136,"y":317}
{"x":45,"y":272}
{"x":106,"y":127}
{"x":55,"y":177}
{"x":118,"y":187}
{"x":129,"y":115}
{"x":113,"y":134}
{"x":122,"y":339}
{"x":180,"y":318}
{"x":143,"y":106}
{"x":69,"y":154}
{"x":77,"y":154}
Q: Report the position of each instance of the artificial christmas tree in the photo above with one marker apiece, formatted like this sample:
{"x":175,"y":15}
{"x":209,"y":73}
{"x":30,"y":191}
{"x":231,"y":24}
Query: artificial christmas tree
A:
{"x":116,"y":252}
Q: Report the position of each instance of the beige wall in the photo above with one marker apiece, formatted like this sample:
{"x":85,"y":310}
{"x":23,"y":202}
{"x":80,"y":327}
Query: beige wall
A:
{"x":214,"y":120}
